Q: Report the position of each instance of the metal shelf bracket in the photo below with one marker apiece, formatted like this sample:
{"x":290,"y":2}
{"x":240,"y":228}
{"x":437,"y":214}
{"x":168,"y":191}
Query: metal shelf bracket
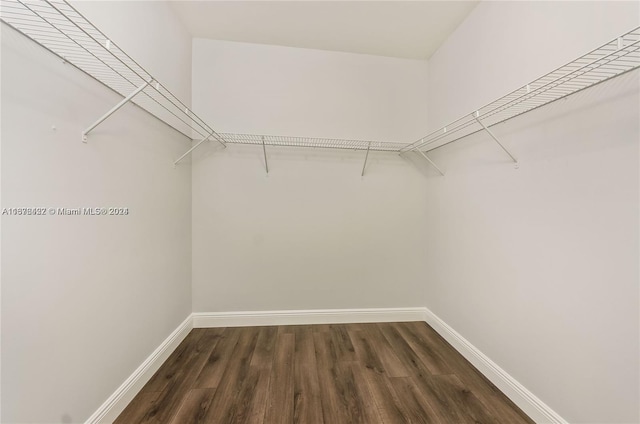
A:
{"x":476,"y":115}
{"x":430,"y":161}
{"x":264,"y":151}
{"x":123,"y":102}
{"x":366,"y":156}
{"x":212,"y":134}
{"x":191,"y":150}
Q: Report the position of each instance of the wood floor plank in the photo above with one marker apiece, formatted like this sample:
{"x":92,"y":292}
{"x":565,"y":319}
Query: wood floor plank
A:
{"x":433,"y":355}
{"x":194,"y":407}
{"x":501,"y":407}
{"x":260,"y":375}
{"x":170,"y":399}
{"x":334,"y":405}
{"x":388,"y":405}
{"x":451,"y":401}
{"x":342,"y":342}
{"x":280,"y":398}
{"x":307,"y":405}
{"x":249,"y":401}
{"x":379,"y":373}
{"x":217,"y":361}
{"x":321,"y":328}
{"x":136,"y":410}
{"x":172,"y":366}
{"x":416,"y":405}
{"x":240,"y":409}
{"x":409,"y":359}
{"x":265,"y":348}
{"x":285,"y":329}
{"x":361,"y":406}
{"x":388,"y":355}
{"x":446,"y":394}
{"x":365,"y":352}
{"x":225,"y":401}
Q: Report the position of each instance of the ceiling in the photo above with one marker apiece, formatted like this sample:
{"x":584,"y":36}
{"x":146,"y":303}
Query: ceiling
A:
{"x":404,"y":29}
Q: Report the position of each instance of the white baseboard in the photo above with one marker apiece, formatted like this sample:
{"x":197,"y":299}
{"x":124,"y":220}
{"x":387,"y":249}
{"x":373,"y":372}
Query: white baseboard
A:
{"x":536,"y":409}
{"x":523,"y":398}
{"x":314,"y":316}
{"x":109,"y":411}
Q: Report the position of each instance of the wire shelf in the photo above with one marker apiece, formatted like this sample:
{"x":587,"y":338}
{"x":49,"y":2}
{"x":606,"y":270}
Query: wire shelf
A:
{"x":615,"y":58}
{"x":314,"y":142}
{"x":61,"y":29}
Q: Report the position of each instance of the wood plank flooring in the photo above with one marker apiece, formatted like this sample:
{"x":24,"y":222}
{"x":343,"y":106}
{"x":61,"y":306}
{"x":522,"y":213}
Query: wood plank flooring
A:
{"x":319,"y":374}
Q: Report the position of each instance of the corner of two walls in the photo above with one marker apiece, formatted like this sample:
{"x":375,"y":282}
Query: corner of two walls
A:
{"x":538,"y":266}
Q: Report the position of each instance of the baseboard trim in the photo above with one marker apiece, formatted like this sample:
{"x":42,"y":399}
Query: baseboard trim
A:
{"x":112,"y":407}
{"x":523,"y":398}
{"x":300,"y":317}
{"x":527,"y":401}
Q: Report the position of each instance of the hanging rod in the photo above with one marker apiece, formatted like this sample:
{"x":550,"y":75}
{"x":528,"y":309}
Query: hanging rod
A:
{"x":60,"y":28}
{"x":610,"y":60}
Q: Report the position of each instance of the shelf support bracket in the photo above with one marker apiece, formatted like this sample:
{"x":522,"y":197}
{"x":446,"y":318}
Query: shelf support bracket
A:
{"x":218,"y":139}
{"x":124,"y":101}
{"x":365,"y":159}
{"x":430,"y":161}
{"x":191,"y":150}
{"x":495,"y":138}
{"x":264,"y":151}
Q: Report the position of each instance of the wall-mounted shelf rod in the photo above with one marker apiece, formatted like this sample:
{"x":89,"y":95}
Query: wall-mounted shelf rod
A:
{"x":60,"y":28}
{"x":617,"y":57}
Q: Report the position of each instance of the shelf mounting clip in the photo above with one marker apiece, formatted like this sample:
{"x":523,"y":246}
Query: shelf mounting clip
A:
{"x":124,"y":101}
{"x":476,"y":115}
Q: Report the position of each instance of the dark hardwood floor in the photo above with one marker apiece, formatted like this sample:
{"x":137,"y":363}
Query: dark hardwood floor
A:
{"x":314,"y":374}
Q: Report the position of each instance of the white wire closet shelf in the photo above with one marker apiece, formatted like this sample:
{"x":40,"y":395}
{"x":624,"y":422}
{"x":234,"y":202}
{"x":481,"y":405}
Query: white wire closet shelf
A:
{"x":612,"y":59}
{"x":312,"y":142}
{"x":61,"y":29}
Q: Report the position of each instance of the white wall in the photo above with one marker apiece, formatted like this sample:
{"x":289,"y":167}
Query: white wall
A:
{"x":86,"y":299}
{"x":538,"y":267}
{"x":254,"y":88}
{"x":503,"y":45}
{"x":163,"y":48}
{"x":313,"y":233}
